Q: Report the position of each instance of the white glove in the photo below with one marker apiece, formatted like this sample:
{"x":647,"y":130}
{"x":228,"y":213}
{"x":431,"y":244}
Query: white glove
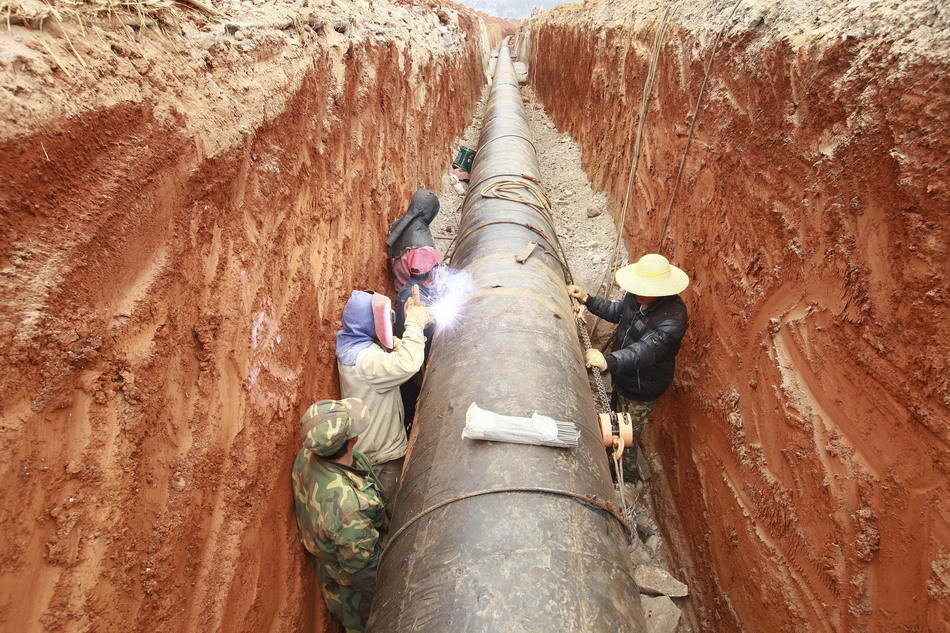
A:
{"x":416,"y":311}
{"x":578,"y":293}
{"x":596,"y":359}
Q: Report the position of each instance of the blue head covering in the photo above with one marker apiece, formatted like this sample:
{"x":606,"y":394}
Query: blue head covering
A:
{"x":359,"y":330}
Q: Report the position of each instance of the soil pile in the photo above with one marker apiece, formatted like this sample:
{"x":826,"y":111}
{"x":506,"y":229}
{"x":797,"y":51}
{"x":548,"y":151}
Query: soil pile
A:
{"x":187,"y":203}
{"x":804,"y":447}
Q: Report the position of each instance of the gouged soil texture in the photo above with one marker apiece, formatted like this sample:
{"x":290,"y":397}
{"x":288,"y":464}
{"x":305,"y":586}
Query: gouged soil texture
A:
{"x":804,"y":445}
{"x":184,"y":212}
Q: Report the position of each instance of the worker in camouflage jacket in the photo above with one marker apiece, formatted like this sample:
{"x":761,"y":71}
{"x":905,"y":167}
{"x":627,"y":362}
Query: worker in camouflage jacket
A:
{"x":340,"y":513}
{"x":652,"y":322}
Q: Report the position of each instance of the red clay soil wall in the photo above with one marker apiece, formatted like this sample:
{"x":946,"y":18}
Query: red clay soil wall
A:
{"x":804,"y":444}
{"x":182,"y":220}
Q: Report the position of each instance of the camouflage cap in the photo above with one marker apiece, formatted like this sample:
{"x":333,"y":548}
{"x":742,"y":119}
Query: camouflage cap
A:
{"x":329,"y":423}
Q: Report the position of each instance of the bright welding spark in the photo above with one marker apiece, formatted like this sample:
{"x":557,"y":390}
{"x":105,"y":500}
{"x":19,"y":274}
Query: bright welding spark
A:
{"x":453,"y":288}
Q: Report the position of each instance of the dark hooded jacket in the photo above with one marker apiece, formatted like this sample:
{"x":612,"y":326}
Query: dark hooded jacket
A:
{"x":644,"y":353}
{"x":412,"y":229}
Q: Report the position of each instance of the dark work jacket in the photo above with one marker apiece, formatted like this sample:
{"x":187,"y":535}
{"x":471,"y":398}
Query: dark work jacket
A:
{"x":412,"y":229}
{"x":644,"y":353}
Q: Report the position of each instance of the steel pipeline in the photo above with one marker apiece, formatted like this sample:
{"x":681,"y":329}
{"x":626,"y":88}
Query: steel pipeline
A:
{"x":492,"y":537}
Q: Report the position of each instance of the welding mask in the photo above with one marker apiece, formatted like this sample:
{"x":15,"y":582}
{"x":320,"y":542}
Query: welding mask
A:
{"x":383,"y":318}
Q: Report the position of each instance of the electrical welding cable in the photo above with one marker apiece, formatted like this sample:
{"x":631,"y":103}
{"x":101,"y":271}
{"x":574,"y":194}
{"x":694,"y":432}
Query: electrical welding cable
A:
{"x":682,"y":163}
{"x":564,"y":267}
{"x":474,"y":187}
{"x":508,"y":190}
{"x":692,"y":125}
{"x":503,"y":189}
{"x":606,"y":283}
{"x":590,"y":500}
{"x":560,"y":259}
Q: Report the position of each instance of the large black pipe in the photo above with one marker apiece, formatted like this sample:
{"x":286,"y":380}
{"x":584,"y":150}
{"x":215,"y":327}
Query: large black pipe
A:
{"x":466,"y":553}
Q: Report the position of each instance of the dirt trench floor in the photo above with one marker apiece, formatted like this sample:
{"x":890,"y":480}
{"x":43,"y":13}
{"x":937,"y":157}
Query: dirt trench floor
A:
{"x":588,"y":235}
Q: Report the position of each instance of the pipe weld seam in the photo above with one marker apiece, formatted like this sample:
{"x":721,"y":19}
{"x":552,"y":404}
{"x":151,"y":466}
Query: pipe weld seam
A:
{"x":495,"y":138}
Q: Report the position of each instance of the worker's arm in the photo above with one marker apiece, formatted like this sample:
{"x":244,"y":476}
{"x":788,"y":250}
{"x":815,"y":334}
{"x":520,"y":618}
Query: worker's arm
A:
{"x":387,"y":370}
{"x":357,"y":550}
{"x":604,"y":308}
{"x":646,"y":351}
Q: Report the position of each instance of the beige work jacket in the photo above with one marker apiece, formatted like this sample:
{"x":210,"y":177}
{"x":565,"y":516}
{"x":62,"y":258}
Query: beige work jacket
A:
{"x":375,"y":379}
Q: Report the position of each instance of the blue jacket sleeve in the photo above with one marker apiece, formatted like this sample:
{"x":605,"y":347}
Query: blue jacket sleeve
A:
{"x":645,"y":352}
{"x":604,"y":308}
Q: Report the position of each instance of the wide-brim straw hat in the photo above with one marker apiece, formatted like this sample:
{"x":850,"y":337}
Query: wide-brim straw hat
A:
{"x":652,"y":276}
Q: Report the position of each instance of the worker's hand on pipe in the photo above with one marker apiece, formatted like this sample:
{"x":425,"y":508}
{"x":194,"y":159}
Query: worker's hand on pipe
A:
{"x":416,"y":311}
{"x":577,"y":292}
{"x":397,"y":342}
{"x":596,"y":359}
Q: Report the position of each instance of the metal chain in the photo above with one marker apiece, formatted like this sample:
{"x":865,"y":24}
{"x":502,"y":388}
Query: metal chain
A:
{"x":600,"y":393}
{"x":603,"y":406}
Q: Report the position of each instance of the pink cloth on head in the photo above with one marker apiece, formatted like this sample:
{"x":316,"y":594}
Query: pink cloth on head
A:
{"x":422,"y":259}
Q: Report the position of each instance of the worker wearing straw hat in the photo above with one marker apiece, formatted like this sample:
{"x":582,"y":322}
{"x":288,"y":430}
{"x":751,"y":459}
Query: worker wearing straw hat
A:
{"x":652,"y":321}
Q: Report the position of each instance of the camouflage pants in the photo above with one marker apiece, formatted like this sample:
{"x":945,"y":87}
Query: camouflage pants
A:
{"x":640,"y":415}
{"x":346,"y":604}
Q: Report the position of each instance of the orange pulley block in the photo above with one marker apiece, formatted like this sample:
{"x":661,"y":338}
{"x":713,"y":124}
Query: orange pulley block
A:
{"x":616,"y":430}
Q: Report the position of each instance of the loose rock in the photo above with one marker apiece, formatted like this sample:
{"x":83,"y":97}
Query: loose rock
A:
{"x":661,"y":615}
{"x":654,"y":580}
{"x":639,"y":553}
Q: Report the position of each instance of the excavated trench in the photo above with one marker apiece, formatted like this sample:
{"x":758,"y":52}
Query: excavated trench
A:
{"x":186,"y":202}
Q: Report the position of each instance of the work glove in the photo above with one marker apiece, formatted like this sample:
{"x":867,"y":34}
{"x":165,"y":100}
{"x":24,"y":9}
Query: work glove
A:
{"x":397,"y":342}
{"x":596,"y":359}
{"x":578,"y":293}
{"x":416,"y":311}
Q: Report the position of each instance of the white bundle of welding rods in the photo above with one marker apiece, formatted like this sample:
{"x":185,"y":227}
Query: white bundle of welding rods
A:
{"x":481,"y":424}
